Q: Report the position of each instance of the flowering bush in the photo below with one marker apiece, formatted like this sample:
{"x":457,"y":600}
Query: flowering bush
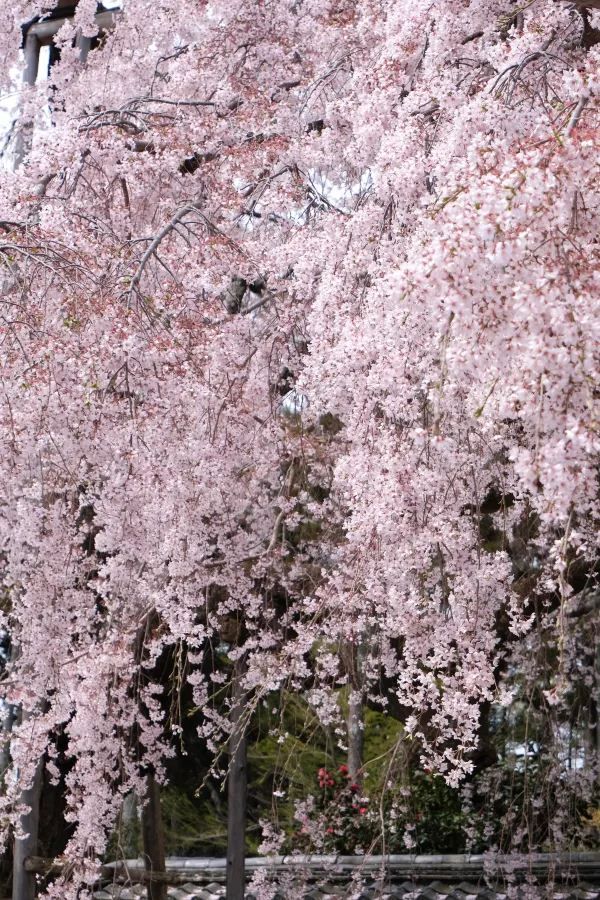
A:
{"x":339,"y":818}
{"x":423,"y":815}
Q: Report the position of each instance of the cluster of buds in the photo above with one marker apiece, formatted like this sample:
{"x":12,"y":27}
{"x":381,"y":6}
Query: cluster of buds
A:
{"x":325,"y":778}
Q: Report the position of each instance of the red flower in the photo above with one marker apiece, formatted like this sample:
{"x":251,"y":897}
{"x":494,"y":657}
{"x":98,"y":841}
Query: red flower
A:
{"x":343,"y":770}
{"x":362,"y":810}
{"x":324,"y":777}
{"x":354,"y":788}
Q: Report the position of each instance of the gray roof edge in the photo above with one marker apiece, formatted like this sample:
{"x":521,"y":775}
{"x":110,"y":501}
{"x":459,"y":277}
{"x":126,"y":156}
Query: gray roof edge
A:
{"x":587,"y":859}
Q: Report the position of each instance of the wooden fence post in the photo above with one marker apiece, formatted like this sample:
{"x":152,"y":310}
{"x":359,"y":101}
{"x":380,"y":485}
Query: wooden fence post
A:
{"x":24,"y":882}
{"x":237,"y":789}
{"x":153,"y":838}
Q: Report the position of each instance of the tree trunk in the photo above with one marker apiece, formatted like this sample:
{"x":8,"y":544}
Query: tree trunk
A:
{"x":23,"y":881}
{"x":153,"y":838}
{"x":236,"y":790}
{"x":129,"y":827}
{"x":353,"y":655}
{"x":355,"y":728}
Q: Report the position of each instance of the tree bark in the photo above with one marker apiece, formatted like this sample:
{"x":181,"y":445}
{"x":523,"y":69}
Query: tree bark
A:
{"x":353,"y":655}
{"x":129,"y":827}
{"x":153,"y":838}
{"x":355,"y":729}
{"x":24,"y":881}
{"x":237,"y":790}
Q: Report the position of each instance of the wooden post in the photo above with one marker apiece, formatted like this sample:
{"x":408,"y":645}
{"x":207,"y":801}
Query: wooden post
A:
{"x":237,"y":789}
{"x":84,"y":45}
{"x":32,"y":59}
{"x":8,"y":719}
{"x":25,"y":132}
{"x":10,"y":715}
{"x":23,"y":880}
{"x":595,"y":711}
{"x":154,"y":839}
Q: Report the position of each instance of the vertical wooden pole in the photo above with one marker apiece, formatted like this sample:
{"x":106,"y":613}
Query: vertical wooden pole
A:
{"x":23,"y":881}
{"x":84,"y":45}
{"x":25,"y":132}
{"x":595,"y":710}
{"x":8,"y":717}
{"x":153,"y":838}
{"x":237,"y":790}
{"x":32,"y":59}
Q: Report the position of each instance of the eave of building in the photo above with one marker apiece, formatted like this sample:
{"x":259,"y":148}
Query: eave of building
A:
{"x":44,"y":31}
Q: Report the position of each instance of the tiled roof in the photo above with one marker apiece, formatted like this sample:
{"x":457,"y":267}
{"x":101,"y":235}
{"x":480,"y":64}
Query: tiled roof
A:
{"x":405,"y":891}
{"x":443,"y":877}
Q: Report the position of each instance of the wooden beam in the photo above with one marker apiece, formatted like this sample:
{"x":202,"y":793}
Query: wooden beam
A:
{"x":120,"y":872}
{"x":44,"y":31}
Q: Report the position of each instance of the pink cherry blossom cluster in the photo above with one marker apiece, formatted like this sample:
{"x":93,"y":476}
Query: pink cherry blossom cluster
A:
{"x":289,"y":292}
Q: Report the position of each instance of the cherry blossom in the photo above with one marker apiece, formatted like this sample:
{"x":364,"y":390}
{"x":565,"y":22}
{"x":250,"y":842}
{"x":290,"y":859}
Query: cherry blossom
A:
{"x":294,"y":296}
